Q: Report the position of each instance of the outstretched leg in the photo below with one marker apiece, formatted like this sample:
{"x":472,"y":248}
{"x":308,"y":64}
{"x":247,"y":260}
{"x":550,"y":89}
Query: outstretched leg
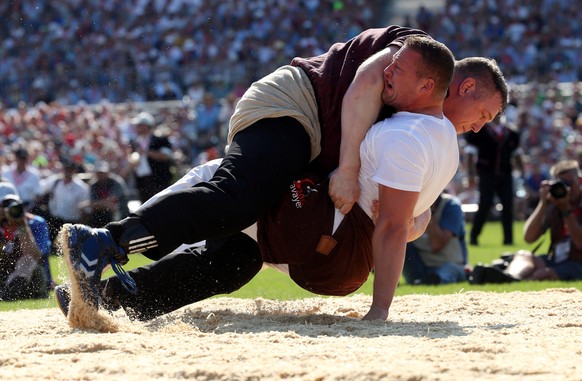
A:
{"x":260,"y":164}
{"x":222,"y":266}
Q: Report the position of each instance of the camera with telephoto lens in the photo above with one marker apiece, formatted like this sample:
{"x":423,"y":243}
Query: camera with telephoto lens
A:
{"x":558,"y":189}
{"x":15,"y":209}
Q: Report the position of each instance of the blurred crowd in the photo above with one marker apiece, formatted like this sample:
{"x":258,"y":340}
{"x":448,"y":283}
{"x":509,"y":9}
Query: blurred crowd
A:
{"x":144,"y":50}
{"x":538,"y":45}
{"x":75,"y":72}
{"x":533,"y":41}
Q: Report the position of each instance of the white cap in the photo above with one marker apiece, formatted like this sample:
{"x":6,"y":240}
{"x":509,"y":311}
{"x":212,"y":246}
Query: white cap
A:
{"x":7,"y":188}
{"x":144,"y":118}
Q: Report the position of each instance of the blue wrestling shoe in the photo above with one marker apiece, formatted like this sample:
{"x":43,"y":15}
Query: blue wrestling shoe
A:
{"x":87,"y":252}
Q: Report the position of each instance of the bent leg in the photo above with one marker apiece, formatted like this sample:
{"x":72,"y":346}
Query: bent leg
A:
{"x":522,"y":265}
{"x":259,"y":166}
{"x":450,"y":273}
{"x":567,"y":270}
{"x":179,"y":279}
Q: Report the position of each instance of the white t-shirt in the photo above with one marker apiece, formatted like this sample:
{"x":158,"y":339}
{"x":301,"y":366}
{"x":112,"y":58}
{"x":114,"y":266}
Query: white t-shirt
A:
{"x":27,"y":183}
{"x":67,"y":198}
{"x":410,"y":152}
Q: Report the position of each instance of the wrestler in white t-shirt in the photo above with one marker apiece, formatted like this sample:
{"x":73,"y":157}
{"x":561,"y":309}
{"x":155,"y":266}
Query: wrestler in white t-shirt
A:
{"x":409,"y":151}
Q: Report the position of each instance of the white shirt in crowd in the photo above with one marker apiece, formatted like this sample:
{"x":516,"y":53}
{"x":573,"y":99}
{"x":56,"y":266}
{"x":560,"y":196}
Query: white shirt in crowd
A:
{"x":66,"y":199}
{"x":27,"y":183}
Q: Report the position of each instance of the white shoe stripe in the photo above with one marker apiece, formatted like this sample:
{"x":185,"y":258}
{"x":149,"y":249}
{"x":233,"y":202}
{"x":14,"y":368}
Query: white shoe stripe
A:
{"x":147,"y":245}
{"x":148,"y":238}
{"x":87,"y":261}
{"x":87,"y":265}
{"x":86,"y":271}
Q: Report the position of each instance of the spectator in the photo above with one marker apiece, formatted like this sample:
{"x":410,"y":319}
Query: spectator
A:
{"x":560,"y":211}
{"x":108,"y":201}
{"x":490,"y":155}
{"x":207,"y":117}
{"x":25,"y":247}
{"x":439,"y":256}
{"x":151,"y":157}
{"x":523,"y":36}
{"x":67,"y":195}
{"x":25,"y":178}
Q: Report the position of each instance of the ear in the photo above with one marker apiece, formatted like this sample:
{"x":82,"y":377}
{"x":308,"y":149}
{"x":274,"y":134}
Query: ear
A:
{"x":468,"y":85}
{"x":427,"y":85}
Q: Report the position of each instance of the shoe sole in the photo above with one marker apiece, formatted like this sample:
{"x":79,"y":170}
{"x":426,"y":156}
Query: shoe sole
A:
{"x":82,"y":314}
{"x":63,"y":301}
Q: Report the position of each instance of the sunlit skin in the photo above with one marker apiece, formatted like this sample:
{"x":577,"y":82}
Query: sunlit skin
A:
{"x":461,"y":106}
{"x":400,"y":80}
{"x":464,"y":111}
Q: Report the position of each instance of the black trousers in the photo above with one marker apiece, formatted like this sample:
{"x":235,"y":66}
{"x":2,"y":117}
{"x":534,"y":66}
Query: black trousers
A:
{"x":259,"y":166}
{"x":147,"y":187}
{"x":224,"y":265}
{"x":489,"y":185}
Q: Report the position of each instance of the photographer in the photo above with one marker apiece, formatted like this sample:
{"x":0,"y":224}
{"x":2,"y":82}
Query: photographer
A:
{"x":24,"y":249}
{"x":440,"y":254}
{"x":559,"y":210}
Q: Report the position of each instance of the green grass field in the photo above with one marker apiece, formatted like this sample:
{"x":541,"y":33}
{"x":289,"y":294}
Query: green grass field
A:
{"x":271,"y":284}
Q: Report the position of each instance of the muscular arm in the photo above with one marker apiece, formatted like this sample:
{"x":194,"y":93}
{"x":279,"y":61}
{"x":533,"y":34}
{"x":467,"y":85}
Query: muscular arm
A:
{"x":416,"y":225}
{"x":389,"y":246}
{"x":360,"y":108}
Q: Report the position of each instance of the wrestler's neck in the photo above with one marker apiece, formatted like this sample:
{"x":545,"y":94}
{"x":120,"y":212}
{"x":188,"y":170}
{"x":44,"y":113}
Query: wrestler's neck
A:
{"x":424,"y":104}
{"x":431,"y":110}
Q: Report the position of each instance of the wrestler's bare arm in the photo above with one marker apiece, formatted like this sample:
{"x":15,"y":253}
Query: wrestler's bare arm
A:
{"x":360,"y":108}
{"x":389,"y":247}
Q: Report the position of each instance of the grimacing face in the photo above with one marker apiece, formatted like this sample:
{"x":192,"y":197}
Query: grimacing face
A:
{"x":400,"y":79}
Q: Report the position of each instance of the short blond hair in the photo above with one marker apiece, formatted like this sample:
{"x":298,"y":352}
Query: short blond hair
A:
{"x":564,"y":166}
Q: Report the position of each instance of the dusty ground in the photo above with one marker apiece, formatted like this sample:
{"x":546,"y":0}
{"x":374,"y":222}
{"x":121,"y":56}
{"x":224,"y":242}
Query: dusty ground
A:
{"x":472,"y":335}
